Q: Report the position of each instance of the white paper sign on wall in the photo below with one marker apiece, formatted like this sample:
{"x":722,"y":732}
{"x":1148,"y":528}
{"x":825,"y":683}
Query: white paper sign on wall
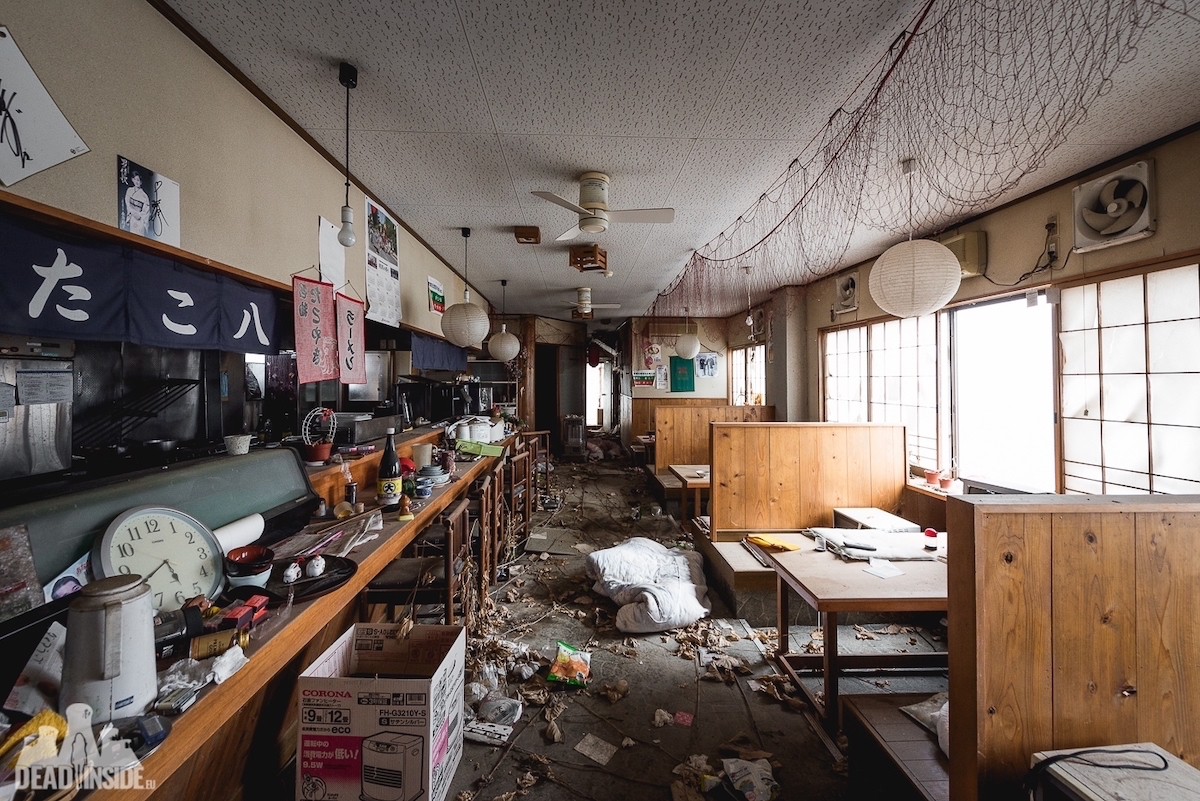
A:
{"x":34,"y":134}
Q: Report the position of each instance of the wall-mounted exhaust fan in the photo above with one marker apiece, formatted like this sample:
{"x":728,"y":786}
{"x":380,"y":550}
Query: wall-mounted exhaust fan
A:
{"x":847,"y":294}
{"x":594,"y":213}
{"x":1116,"y":208}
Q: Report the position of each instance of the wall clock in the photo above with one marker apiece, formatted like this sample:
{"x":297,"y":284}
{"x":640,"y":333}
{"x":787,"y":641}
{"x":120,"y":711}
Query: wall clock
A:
{"x":175,"y":554}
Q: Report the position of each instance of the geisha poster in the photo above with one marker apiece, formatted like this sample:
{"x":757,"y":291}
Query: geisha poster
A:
{"x":316,"y":330}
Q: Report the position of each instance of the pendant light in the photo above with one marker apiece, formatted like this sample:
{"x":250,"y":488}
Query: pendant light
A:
{"x":749,"y":314}
{"x":916,"y":277}
{"x":688,"y":345}
{"x":504,"y":346}
{"x":465,"y":324}
{"x":348,"y":77}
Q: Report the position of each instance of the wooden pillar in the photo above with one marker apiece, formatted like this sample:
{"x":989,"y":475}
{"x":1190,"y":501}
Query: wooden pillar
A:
{"x":525,"y":405}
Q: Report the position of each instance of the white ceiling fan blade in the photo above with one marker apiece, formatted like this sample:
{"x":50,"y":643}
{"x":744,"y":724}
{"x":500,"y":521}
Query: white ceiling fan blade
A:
{"x":570,"y":233}
{"x":642,"y":215}
{"x":606,"y":305}
{"x":561,"y":201}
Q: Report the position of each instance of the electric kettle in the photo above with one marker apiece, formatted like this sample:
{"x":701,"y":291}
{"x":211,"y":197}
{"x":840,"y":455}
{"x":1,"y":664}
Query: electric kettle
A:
{"x":108,"y":663}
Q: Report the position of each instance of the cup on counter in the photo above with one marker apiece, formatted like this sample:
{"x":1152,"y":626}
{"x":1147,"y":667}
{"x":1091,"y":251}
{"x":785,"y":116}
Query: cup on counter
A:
{"x":238,"y":444}
{"x":422,"y":454}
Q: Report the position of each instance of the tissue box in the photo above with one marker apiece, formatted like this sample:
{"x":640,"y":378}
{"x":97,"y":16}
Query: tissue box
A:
{"x":381,"y":715}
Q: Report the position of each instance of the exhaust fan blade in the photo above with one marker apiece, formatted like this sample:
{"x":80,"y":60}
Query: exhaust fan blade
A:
{"x":561,"y":201}
{"x":1096,"y":220}
{"x":1109,"y":193}
{"x":642,"y":215}
{"x":1124,"y":221}
{"x":570,"y":233}
{"x":1136,"y":194}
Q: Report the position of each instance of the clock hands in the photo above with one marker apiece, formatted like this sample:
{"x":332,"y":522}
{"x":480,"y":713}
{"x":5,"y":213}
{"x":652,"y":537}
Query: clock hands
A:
{"x":167,"y":563}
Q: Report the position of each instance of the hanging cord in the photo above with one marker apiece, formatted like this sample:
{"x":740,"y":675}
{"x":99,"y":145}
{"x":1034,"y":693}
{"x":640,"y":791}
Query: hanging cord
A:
{"x":347,"y":161}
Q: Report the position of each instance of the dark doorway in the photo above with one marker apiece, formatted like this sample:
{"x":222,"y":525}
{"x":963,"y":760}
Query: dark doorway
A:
{"x":545,"y":394}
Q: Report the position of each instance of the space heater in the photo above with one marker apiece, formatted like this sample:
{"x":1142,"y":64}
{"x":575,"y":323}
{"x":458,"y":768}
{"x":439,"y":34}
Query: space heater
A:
{"x":392,"y":767}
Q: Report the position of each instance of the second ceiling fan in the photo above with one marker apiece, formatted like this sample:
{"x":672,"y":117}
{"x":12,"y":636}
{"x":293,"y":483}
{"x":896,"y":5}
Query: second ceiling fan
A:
{"x":594,"y":213}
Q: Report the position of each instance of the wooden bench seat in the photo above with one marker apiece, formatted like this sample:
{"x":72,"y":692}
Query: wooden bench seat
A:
{"x":891,"y":755}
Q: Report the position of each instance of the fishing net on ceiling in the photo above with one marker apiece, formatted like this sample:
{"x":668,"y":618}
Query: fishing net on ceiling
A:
{"x":980,"y":92}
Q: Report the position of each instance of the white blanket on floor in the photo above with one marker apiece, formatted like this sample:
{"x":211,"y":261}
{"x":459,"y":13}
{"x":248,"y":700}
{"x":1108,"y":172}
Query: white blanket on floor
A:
{"x":658,"y":588}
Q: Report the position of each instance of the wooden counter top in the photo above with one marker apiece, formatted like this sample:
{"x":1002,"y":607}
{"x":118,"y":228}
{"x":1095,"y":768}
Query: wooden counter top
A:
{"x":243,"y":730}
{"x":327,"y":481}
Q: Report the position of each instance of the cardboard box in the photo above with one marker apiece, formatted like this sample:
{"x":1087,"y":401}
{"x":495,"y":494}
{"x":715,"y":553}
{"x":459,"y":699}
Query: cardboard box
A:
{"x":395,"y":734}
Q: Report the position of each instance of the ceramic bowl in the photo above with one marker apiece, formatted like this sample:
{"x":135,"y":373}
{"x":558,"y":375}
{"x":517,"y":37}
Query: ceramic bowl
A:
{"x":249,"y":560}
{"x":256,"y":580}
{"x":423,"y":492}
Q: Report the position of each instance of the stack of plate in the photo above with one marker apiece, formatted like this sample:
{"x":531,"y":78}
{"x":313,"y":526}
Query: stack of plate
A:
{"x":435,"y":473}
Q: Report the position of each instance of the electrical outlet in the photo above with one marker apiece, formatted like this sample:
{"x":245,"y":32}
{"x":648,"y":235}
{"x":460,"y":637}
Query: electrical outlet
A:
{"x":1052,"y":238}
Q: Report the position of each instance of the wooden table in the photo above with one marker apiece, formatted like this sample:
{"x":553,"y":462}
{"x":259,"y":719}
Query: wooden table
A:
{"x":830,"y":586}
{"x":688,"y":476}
{"x":647,"y":442}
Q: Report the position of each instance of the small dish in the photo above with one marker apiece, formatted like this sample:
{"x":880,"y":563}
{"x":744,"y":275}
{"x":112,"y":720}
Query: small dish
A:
{"x":248,"y":560}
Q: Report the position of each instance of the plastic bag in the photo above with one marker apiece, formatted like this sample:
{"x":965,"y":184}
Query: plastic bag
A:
{"x":500,"y":709}
{"x":571,"y":665}
{"x":752,"y":779}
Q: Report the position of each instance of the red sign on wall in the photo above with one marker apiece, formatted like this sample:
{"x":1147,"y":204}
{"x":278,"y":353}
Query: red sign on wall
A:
{"x":316,"y":331}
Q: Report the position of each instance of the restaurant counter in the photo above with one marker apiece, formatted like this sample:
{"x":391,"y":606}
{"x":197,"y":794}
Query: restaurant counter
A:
{"x":239,"y":736}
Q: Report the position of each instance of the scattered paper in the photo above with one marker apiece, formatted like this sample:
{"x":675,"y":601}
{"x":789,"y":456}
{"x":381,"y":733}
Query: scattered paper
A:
{"x":883,"y":568}
{"x":596,"y":749}
{"x":487,"y":733}
{"x":683,"y":718}
{"x":661,"y":718}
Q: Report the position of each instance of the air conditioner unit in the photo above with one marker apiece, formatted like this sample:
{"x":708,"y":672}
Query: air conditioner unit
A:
{"x":970,"y":248}
{"x":1115,"y":208}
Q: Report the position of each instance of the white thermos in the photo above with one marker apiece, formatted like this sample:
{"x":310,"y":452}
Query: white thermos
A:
{"x":108,"y":663}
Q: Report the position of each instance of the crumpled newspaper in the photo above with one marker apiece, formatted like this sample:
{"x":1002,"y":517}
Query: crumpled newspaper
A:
{"x":192,"y":674}
{"x":753,"y":780}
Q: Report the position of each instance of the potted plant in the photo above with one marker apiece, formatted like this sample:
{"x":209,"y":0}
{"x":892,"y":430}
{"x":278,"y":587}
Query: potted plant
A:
{"x":317,"y":435}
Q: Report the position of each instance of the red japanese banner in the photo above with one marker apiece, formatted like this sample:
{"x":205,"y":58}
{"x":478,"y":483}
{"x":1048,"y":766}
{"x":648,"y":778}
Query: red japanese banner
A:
{"x":351,"y":334}
{"x":316,"y":340}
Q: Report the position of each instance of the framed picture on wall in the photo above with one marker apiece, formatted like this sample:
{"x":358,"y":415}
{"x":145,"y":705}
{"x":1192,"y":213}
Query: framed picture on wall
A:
{"x":706,"y":365}
{"x":683,"y":374}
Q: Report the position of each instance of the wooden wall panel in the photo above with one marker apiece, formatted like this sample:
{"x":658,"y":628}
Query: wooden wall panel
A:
{"x":1015,"y":651}
{"x":787,"y":476}
{"x":643,"y":410}
{"x":681,"y":434}
{"x":1095,"y":639}
{"x":1168,"y":645}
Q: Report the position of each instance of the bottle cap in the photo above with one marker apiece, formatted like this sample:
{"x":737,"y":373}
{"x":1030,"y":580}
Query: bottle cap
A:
{"x":388,"y":430}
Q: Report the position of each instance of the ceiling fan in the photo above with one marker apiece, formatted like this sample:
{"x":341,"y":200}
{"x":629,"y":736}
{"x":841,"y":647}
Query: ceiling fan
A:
{"x":583,"y":305}
{"x":594,"y":213}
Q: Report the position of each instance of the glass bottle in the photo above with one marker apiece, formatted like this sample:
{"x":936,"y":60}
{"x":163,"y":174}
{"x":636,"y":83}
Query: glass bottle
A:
{"x":389,"y":474}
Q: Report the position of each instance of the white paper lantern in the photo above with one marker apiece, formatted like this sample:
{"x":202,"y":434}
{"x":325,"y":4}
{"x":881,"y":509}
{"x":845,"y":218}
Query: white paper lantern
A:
{"x":687,"y":346}
{"x":915,"y":278}
{"x":465,"y":324}
{"x":504,"y":346}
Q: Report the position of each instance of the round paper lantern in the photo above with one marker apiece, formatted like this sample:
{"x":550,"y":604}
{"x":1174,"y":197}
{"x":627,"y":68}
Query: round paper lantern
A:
{"x":504,"y":346}
{"x":914,"y":278}
{"x":465,"y":324}
{"x":687,"y":346}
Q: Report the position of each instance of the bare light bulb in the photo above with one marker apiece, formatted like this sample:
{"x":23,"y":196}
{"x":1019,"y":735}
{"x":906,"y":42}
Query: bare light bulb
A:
{"x":346,"y":236}
{"x":749,"y":321}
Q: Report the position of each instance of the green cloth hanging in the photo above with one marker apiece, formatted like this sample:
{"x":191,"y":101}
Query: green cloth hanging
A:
{"x":683,"y":374}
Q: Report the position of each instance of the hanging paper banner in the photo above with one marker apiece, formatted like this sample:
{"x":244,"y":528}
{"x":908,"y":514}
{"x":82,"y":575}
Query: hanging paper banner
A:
{"x":383,"y":266}
{"x":351,"y":334}
{"x":57,"y":286}
{"x":316,"y":346}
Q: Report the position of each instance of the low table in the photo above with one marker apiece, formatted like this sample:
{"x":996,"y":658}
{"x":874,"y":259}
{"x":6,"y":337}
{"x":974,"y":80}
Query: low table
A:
{"x":830,"y":586}
{"x":689,"y":476}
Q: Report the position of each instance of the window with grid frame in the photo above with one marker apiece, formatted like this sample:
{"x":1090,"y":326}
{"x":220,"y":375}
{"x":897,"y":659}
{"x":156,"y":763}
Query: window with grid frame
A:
{"x":749,"y":375}
{"x":1130,"y":393}
{"x":887,"y":372}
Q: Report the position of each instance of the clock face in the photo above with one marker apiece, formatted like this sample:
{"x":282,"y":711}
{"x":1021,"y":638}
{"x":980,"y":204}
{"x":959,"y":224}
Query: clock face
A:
{"x":173,"y":552}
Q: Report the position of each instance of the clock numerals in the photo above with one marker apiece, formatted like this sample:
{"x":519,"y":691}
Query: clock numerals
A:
{"x":202,"y":552}
{"x":196,"y":588}
{"x":191,"y":536}
{"x":158,"y":596}
{"x":151,"y":527}
{"x":203,"y":571}
{"x":124,"y":569}
{"x":125,"y":549}
{"x":179,"y":597}
{"x":135,"y":532}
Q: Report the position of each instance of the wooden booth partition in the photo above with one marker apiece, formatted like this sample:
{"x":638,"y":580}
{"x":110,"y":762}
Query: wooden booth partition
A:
{"x":681,"y":433}
{"x":789,"y":476}
{"x":642,"y":413}
{"x":1072,"y":624}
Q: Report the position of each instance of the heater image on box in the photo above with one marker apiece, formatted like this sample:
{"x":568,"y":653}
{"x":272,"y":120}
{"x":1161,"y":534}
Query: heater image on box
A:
{"x":392,"y":765}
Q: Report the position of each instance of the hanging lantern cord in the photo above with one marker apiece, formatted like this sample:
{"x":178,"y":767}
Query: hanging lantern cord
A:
{"x":347,"y":161}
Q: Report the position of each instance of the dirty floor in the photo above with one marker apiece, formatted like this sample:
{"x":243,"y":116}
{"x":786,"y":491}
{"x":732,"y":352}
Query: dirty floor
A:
{"x":547,"y":599}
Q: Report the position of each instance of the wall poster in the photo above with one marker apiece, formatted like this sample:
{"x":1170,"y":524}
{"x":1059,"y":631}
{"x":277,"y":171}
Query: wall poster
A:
{"x":706,"y":365}
{"x":660,"y":377}
{"x":352,"y":343}
{"x":383,"y":266}
{"x":34,"y":134}
{"x":147,"y":202}
{"x":437,"y":296}
{"x":316,"y":343}
{"x":643,"y":378}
